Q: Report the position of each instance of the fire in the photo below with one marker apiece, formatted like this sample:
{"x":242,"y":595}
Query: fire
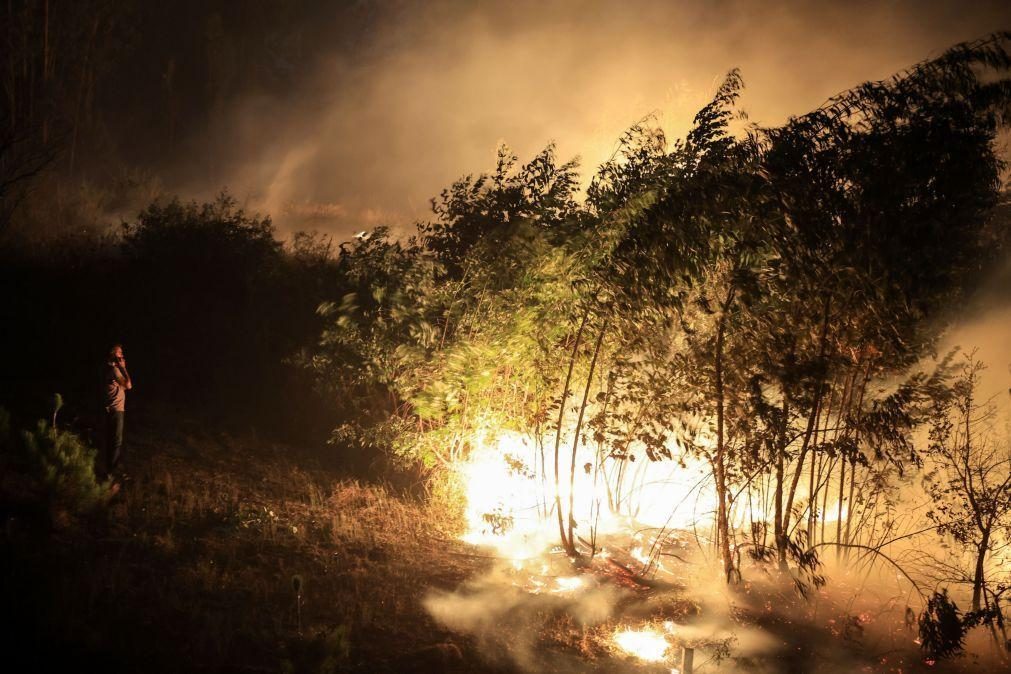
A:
{"x":509,"y":485}
{"x":505,"y":501}
{"x":509,"y":498}
{"x":646,"y":644}
{"x":569,"y":584}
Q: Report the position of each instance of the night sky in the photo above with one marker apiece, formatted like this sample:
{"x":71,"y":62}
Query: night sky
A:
{"x":340,"y":116}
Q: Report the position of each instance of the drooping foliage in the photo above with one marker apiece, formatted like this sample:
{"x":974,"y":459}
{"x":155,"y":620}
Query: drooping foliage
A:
{"x":734,"y":297}
{"x":439,"y":331}
{"x":942,"y":633}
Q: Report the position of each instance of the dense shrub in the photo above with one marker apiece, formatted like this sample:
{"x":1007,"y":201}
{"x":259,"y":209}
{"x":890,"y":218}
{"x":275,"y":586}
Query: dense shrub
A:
{"x":62,"y":466}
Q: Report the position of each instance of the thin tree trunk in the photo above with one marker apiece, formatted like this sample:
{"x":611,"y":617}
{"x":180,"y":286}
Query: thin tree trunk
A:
{"x":849,"y":501}
{"x":838,"y":521}
{"x":868,"y":513}
{"x":843,"y":412}
{"x":824,"y":499}
{"x":619,"y":482}
{"x":722,"y":516}
{"x":816,"y":512}
{"x":978,"y":575}
{"x":594,"y":499}
{"x":853,"y":466}
{"x":566,"y":543}
{"x":812,"y":484}
{"x":579,"y":428}
{"x":542,"y":503}
{"x":808,"y":432}
{"x":779,"y":519}
{"x":597,"y":469}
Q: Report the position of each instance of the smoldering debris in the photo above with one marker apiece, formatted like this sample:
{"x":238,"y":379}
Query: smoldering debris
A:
{"x":549,"y":614}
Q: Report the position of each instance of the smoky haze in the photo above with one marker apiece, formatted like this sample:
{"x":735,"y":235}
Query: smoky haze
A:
{"x":406,"y":97}
{"x":338,"y":117}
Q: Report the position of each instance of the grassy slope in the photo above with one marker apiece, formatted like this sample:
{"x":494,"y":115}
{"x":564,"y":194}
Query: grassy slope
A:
{"x":192,"y":567}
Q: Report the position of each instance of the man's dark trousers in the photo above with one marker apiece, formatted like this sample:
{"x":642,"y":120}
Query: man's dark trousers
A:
{"x":113,"y":438}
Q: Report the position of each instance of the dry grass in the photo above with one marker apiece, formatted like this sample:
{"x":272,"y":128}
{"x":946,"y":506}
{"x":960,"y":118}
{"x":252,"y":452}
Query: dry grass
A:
{"x":194,"y":566}
{"x":236,"y":555}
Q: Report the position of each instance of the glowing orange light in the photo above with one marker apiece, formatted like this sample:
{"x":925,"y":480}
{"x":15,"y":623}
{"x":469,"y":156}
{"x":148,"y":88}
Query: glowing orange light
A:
{"x":646,"y":644}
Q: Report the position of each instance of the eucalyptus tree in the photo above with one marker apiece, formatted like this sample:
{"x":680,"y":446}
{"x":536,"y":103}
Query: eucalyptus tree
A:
{"x":800,"y":264}
{"x":683,"y":263}
{"x":885,"y":197}
{"x":734,"y":296}
{"x":443,"y":330}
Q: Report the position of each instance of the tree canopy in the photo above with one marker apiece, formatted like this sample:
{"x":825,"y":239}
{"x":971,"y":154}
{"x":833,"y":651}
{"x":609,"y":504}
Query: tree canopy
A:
{"x":735,"y":297}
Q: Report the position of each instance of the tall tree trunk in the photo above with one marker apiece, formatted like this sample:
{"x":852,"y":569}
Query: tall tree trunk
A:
{"x":843,"y":413}
{"x":816,"y":512}
{"x":619,"y":483}
{"x":566,"y":543}
{"x":598,"y":468}
{"x":542,"y":501}
{"x":853,"y":462}
{"x":812,"y":421}
{"x":579,"y":428}
{"x":849,"y":502}
{"x":838,"y":521}
{"x":720,"y":467}
{"x":812,"y":493}
{"x":824,"y":499}
{"x":780,"y":518}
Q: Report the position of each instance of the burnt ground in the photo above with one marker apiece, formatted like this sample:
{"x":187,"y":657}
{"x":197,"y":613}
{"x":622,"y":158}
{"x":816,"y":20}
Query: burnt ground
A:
{"x":225,"y":554}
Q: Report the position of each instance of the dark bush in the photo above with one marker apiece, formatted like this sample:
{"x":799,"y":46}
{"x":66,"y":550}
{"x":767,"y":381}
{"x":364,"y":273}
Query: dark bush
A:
{"x":207,"y":301}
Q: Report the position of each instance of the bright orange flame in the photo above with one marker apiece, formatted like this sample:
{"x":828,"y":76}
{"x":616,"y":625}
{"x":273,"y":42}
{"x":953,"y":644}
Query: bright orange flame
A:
{"x":507,"y":498}
{"x":645,"y":644}
{"x":504,"y":497}
{"x":510,"y":501}
{"x":568,"y":584}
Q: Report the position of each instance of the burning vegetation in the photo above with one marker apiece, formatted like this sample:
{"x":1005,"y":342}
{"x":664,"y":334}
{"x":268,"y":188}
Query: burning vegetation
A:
{"x":693,"y":420}
{"x":718,"y":360}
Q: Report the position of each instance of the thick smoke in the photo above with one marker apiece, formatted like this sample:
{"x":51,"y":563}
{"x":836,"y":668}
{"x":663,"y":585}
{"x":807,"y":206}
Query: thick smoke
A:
{"x":531,"y":618}
{"x":984,"y":325}
{"x":420,"y":94}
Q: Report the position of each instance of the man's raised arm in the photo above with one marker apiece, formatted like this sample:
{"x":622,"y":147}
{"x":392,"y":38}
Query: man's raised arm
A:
{"x":122,"y":376}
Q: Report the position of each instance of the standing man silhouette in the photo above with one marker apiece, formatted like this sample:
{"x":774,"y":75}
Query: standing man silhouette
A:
{"x":116,"y":382}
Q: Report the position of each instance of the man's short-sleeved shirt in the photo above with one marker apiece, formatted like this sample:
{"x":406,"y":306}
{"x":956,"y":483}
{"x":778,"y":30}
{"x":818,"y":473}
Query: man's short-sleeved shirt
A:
{"x":115,"y":393}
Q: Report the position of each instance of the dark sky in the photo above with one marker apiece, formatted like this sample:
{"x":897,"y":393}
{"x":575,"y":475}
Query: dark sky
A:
{"x":372,"y":108}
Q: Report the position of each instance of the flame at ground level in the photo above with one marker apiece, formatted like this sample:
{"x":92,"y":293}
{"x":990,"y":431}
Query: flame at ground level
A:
{"x":647,"y":644}
{"x":508,"y":480}
{"x":511,"y":497}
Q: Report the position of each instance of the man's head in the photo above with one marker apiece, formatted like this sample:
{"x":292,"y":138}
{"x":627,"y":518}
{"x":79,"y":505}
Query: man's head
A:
{"x":116,"y":353}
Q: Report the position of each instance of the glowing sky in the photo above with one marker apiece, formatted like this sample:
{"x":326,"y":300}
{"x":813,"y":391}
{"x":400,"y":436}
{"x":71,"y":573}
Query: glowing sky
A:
{"x":370,"y":133}
{"x":418,"y":94}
